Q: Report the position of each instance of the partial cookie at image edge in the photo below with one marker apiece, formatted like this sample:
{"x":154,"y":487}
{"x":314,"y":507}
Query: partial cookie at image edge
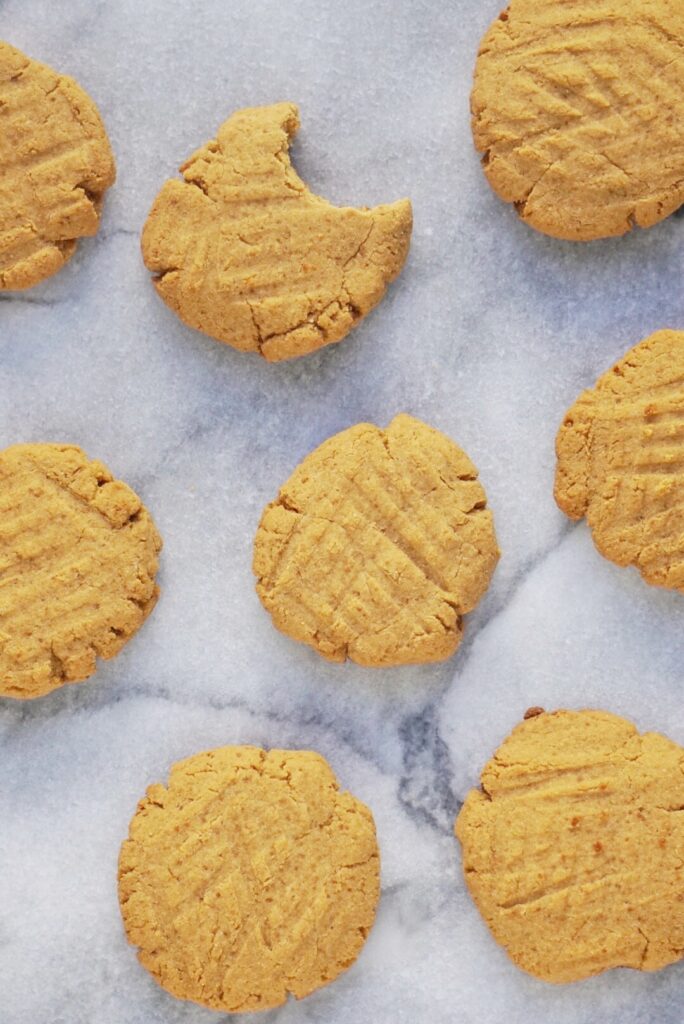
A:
{"x":579,"y":817}
{"x":55,"y":168}
{"x":620,"y":460}
{"x":79,"y":555}
{"x":576,"y":114}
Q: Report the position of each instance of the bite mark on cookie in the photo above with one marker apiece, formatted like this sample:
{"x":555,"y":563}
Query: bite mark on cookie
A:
{"x":243,"y":251}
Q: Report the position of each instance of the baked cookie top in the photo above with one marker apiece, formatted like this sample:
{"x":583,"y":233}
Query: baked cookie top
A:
{"x":78,"y":557}
{"x":243,"y":251}
{"x":577,"y":110}
{"x":55,"y":166}
{"x":377,"y":545}
{"x":573,"y":849}
{"x":620,"y":463}
{"x":249,"y":877}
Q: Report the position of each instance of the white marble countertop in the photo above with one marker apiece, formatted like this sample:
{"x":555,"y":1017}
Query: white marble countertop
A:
{"x":489,"y":334}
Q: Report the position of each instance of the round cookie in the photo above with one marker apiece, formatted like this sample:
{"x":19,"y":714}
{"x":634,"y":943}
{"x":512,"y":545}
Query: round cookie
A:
{"x":243,"y":251}
{"x":377,"y":545}
{"x":249,"y":877}
{"x":620,"y":463}
{"x":78,"y":557}
{"x":55,"y":166}
{"x":577,"y":109}
{"x":573,"y":849}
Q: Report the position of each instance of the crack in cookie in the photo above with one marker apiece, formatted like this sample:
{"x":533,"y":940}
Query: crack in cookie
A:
{"x":242,"y":250}
{"x":577,"y":110}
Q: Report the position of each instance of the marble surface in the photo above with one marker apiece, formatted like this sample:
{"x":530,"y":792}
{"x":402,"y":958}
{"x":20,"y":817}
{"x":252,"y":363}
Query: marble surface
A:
{"x":488,"y":335}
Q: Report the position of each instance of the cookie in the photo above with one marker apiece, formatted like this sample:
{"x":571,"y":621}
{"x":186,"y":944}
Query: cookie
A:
{"x":573,"y":849}
{"x":577,"y":109}
{"x":243,"y":251}
{"x":621,"y":460}
{"x":248,"y":878}
{"x":78,"y":557}
{"x":55,"y":166}
{"x":377,"y":545}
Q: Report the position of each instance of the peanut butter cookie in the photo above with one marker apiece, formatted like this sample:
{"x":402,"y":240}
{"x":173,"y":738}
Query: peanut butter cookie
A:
{"x":243,"y":251}
{"x":249,"y":877}
{"x":377,"y":545}
{"x":78,"y":557}
{"x":621,"y":460}
{"x":573,"y":848}
{"x":55,"y":166}
{"x":577,"y":108}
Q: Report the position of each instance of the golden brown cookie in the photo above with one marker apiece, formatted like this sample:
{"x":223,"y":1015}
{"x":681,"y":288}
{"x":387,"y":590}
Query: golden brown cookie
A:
{"x":243,"y":251}
{"x":78,"y":557}
{"x":577,"y":109}
{"x":621,"y":460}
{"x":249,"y":877}
{"x":377,"y":545}
{"x":55,"y":166}
{"x":573,"y":849}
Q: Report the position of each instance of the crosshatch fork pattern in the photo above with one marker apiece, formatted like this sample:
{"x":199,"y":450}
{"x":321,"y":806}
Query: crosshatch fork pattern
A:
{"x":55,"y":165}
{"x":377,"y":545}
{"x":576,"y":110}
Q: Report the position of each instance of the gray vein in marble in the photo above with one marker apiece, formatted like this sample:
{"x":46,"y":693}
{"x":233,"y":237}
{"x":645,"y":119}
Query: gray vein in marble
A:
{"x":425,"y":790}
